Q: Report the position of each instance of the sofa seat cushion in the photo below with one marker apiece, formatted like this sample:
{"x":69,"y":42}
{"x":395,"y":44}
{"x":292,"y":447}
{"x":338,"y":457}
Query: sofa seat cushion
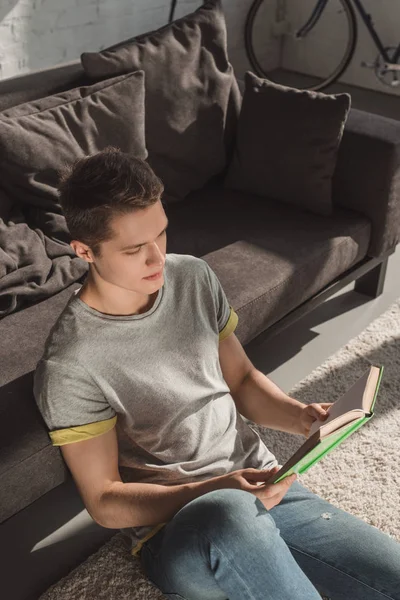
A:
{"x":270,"y":257}
{"x":29,"y":465}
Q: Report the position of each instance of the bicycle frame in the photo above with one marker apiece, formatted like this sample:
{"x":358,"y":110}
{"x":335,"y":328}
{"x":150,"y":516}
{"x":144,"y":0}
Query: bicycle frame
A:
{"x":367,"y":18}
{"x":172,"y":11}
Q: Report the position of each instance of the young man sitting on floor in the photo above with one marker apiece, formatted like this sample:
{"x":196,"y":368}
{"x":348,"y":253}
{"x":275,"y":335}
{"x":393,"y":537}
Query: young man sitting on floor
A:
{"x":142,"y":384}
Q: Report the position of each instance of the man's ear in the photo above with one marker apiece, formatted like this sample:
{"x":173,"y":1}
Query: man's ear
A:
{"x":81,"y":250}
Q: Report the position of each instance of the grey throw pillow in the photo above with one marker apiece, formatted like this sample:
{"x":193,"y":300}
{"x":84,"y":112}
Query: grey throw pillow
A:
{"x":287,"y":144}
{"x":192,"y":97}
{"x":38,"y":138}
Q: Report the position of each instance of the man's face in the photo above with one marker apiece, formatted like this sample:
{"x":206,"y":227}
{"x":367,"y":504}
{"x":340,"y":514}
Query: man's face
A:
{"x":136,"y":251}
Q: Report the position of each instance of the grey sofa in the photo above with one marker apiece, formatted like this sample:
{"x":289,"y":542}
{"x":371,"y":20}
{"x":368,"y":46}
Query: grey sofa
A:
{"x":275,"y":262}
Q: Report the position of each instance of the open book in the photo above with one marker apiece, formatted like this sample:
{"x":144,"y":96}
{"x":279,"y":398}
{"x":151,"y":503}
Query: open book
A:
{"x":346,"y":415}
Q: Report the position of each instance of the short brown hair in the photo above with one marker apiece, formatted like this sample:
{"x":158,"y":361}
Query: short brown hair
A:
{"x":97,"y":188}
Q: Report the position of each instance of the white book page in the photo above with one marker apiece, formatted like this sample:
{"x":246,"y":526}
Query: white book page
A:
{"x":352,"y":401}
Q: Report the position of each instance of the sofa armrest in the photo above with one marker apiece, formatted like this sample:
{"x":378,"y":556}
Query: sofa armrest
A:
{"x":367,"y":176}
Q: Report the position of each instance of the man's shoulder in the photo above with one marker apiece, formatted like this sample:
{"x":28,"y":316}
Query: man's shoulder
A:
{"x":186,"y":263}
{"x":65,"y":336}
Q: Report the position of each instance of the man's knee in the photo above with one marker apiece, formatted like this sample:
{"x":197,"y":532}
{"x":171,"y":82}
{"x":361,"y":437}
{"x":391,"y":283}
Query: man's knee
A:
{"x":230,"y":509}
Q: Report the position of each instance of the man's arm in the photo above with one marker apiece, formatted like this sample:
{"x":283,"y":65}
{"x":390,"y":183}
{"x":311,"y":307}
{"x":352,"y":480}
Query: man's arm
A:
{"x":113,"y":504}
{"x":256,"y":397}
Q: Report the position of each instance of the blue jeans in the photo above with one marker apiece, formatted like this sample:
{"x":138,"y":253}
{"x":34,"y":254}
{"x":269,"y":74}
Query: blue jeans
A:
{"x":226,"y":544}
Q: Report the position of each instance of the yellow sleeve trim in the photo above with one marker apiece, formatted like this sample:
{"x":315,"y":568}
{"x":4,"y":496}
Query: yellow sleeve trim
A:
{"x":230,"y":326}
{"x":82,"y":432}
{"x":136,"y":550}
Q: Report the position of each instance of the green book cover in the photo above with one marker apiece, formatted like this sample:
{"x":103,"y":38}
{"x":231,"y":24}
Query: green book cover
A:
{"x":315,"y":448}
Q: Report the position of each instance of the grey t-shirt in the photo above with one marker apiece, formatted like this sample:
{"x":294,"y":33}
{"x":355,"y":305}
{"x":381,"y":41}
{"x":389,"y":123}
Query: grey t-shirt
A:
{"x":156,"y":376}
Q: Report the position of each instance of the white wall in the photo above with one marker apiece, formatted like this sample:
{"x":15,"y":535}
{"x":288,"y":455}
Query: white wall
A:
{"x":35,"y":34}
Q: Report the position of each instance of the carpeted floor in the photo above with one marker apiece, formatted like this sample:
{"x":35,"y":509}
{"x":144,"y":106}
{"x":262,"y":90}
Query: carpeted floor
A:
{"x":362,"y":476}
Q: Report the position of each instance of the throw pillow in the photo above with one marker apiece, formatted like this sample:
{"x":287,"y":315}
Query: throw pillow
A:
{"x":192,"y":98}
{"x":38,"y":138}
{"x":287,"y":144}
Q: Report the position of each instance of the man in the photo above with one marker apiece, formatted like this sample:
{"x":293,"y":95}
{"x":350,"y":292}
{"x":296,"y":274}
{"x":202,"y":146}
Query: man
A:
{"x":142,"y":384}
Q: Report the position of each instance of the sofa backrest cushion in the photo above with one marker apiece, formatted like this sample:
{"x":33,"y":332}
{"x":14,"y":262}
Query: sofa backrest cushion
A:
{"x":192,"y":98}
{"x":38,"y":138}
{"x":43,"y":82}
{"x":287,"y":144}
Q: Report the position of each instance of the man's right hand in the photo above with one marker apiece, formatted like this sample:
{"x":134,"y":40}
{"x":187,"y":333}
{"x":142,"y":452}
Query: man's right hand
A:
{"x":255,"y":481}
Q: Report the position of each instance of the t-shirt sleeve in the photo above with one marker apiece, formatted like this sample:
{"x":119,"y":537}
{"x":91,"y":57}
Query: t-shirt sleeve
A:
{"x":72,"y":406}
{"x":226,"y":317}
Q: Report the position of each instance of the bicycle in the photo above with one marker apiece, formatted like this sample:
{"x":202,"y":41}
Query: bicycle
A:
{"x":301,"y":47}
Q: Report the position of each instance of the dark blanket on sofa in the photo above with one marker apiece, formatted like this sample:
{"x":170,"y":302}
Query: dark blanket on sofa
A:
{"x":36,"y":260}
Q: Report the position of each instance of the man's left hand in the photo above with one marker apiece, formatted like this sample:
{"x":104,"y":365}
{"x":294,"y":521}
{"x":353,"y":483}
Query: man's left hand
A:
{"x":310,"y":413}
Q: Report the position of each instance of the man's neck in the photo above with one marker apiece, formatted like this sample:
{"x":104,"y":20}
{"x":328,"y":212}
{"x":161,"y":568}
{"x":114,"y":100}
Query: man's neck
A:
{"x":92,"y":298}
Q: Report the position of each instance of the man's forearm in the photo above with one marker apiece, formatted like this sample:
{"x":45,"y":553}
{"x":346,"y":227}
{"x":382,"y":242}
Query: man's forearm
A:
{"x":139,"y":504}
{"x":260,"y":400}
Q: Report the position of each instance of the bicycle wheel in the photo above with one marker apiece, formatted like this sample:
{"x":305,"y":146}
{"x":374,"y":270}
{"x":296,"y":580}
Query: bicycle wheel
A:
{"x":305,"y":44}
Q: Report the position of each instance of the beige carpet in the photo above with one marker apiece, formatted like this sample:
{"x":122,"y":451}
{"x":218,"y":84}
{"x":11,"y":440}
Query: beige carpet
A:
{"x":361,"y":476}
